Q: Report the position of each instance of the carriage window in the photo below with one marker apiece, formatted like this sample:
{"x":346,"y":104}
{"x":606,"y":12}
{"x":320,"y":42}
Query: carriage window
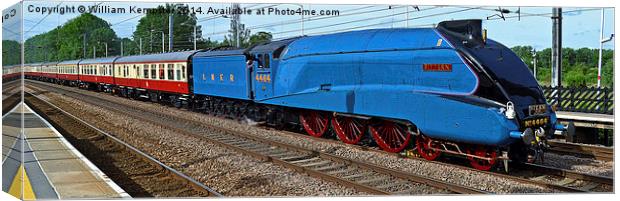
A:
{"x":182,"y":71}
{"x":170,"y":71}
{"x":95,"y":69}
{"x":153,"y":71}
{"x":178,"y":71}
{"x":161,"y":72}
{"x":146,"y":71}
{"x":135,"y":68}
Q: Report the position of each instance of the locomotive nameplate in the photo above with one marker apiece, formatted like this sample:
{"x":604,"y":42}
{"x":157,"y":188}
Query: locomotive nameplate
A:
{"x":437,"y":67}
{"x":537,"y":109}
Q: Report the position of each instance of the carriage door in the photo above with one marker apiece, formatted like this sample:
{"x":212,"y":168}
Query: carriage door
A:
{"x":262,"y":78}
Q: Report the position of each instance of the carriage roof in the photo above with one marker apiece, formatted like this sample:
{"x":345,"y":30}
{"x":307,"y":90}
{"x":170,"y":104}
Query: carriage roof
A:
{"x":162,"y":57}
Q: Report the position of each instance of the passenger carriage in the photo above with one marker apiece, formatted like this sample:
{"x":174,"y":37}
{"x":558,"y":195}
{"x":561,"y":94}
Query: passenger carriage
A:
{"x":97,"y":73}
{"x":10,"y":73}
{"x":49,"y":71}
{"x":32,"y":70}
{"x":159,"y":77}
{"x":68,"y":72}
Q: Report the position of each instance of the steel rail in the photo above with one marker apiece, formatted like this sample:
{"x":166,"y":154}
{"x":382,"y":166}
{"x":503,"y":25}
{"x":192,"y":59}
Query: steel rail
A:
{"x":196,"y":185}
{"x":596,"y":152}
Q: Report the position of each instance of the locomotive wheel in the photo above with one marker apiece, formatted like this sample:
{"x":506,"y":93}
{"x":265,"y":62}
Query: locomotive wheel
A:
{"x":424,"y":145}
{"x":349,"y":130}
{"x":390,"y":136}
{"x":315,"y":123}
{"x":482,"y":151}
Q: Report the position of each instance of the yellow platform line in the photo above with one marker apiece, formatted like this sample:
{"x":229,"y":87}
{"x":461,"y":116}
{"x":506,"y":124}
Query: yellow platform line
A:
{"x":19,"y":189}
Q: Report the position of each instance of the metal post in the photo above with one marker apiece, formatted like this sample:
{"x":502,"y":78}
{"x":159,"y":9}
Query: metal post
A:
{"x":235,"y":23}
{"x":407,"y":21}
{"x":600,"y":50}
{"x":84,"y":45}
{"x":535,"y":61}
{"x":106,"y":49}
{"x":556,"y":53}
{"x":195,"y":37}
{"x":170,"y":31}
{"x":94,"y":52}
{"x":121,"y":47}
{"x":163,"y":45}
{"x":302,"y":19}
{"x":151,"y":41}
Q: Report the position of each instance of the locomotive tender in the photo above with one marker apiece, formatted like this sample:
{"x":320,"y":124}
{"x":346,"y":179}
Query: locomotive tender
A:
{"x":447,"y":89}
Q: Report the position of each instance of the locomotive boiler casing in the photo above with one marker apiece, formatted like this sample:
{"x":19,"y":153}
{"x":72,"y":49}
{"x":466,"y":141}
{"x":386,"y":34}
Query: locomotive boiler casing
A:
{"x":382,"y":73}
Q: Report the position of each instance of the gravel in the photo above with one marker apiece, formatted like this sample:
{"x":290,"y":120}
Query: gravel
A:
{"x":228,"y":172}
{"x":584,"y":165}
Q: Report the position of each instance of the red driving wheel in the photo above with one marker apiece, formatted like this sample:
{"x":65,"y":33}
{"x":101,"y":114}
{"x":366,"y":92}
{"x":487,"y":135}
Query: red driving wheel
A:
{"x":315,"y":123}
{"x":482,"y":151}
{"x":349,"y":130}
{"x":390,"y":136}
{"x":424,"y":145}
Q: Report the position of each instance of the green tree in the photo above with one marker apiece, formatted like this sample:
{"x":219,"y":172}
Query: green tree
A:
{"x":579,"y":67}
{"x":11,"y":52}
{"x":151,"y":26}
{"x":260,"y":37}
{"x":66,"y":42}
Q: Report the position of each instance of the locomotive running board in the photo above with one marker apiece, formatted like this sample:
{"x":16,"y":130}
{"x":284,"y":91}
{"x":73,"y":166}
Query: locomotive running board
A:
{"x":352,"y":116}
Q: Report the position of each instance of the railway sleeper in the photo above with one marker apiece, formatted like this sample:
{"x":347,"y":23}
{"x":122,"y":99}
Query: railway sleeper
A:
{"x":358,"y":175}
{"x":325,"y":162}
{"x":304,"y":160}
{"x":371,"y":180}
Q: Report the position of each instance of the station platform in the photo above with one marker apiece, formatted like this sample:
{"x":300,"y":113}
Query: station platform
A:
{"x":46,"y":165}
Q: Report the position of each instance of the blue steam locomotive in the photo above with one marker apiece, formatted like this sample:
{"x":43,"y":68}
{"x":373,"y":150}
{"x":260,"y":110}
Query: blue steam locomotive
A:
{"x":439,"y":90}
{"x":448,"y":88}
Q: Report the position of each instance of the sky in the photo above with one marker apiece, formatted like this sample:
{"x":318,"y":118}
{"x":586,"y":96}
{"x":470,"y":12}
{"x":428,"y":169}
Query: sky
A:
{"x":581,"y":26}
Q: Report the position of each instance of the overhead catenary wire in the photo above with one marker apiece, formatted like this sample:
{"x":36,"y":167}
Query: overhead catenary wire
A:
{"x":288,"y":22}
{"x":360,"y":20}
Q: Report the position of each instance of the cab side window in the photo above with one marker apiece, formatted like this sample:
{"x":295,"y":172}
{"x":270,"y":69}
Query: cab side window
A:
{"x":265,"y":60}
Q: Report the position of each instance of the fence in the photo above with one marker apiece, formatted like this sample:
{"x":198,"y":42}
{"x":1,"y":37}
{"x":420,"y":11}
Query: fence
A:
{"x":581,"y":99}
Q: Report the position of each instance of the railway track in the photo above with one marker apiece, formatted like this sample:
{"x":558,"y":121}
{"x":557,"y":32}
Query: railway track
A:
{"x":351,"y":173}
{"x":583,"y":150}
{"x":136,"y":172}
{"x":564,"y":180}
{"x":576,"y":179}
{"x":10,"y":101}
